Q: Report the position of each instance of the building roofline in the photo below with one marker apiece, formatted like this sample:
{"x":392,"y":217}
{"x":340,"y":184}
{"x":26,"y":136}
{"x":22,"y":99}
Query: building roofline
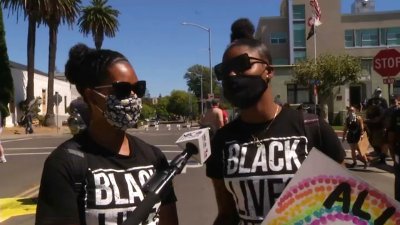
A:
{"x":393,"y":14}
{"x":374,"y":12}
{"x":24,"y":67}
{"x":20,"y":66}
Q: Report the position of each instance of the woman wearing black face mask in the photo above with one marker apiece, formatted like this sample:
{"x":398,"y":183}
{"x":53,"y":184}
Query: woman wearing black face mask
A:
{"x":97,"y":176}
{"x":254,"y":156}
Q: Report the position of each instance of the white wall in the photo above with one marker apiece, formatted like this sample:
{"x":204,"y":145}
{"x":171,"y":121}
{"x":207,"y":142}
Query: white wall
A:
{"x":40,"y":90}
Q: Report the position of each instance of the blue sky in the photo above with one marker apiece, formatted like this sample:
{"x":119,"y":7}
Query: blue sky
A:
{"x":152,"y":37}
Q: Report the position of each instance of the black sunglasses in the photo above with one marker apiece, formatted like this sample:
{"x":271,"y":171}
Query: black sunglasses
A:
{"x":239,"y":65}
{"x":123,"y":90}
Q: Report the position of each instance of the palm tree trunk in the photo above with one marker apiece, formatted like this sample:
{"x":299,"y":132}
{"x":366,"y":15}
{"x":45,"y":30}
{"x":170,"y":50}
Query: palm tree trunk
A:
{"x":98,"y":41}
{"x":30,"y":95}
{"x":49,"y":118}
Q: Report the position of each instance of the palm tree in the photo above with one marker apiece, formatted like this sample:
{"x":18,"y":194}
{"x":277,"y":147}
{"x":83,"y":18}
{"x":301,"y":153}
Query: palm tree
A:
{"x":31,"y":9}
{"x":56,"y":11}
{"x":99,"y":19}
{"x":6,"y":84}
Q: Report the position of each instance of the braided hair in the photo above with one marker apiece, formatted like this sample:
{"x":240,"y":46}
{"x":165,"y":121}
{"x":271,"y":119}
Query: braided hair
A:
{"x":88,"y":67}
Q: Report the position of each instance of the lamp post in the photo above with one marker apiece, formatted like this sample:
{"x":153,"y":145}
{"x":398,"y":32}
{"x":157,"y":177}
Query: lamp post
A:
{"x":201,"y":90}
{"x":209,"y":50}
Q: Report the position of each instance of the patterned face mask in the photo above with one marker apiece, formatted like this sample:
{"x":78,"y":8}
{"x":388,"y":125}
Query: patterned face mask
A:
{"x":124,"y":113}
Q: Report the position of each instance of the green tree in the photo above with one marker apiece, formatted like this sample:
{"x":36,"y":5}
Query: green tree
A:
{"x":193,"y":81}
{"x":179,"y":103}
{"x":99,"y":19}
{"x":194,"y":78}
{"x":55,"y":13}
{"x":6,"y":84}
{"x":161,"y":108}
{"x":329,"y":71}
{"x":31,"y":10}
{"x":147,"y":111}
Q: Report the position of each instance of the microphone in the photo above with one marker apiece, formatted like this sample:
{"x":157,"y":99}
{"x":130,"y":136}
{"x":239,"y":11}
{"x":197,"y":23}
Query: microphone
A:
{"x":194,"y":143}
{"x":200,"y":139}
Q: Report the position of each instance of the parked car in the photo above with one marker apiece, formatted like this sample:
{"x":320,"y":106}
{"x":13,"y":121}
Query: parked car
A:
{"x":153,"y":122}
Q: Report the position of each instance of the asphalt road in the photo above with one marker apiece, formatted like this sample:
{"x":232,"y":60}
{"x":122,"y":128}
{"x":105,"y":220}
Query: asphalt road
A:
{"x":20,"y":177}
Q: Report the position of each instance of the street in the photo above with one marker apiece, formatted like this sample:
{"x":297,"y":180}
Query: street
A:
{"x":20,"y":177}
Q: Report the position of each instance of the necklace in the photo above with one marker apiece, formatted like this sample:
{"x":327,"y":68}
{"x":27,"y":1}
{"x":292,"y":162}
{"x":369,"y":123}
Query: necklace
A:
{"x":255,"y":139}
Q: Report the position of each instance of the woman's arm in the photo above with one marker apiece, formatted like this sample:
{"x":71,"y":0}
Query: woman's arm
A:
{"x":168,"y":214}
{"x":361,"y":121}
{"x":344,"y":131}
{"x":227,"y":214}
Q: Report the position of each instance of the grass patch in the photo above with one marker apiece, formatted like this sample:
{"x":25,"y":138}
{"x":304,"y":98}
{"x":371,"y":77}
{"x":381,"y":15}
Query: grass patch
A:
{"x":337,"y":127}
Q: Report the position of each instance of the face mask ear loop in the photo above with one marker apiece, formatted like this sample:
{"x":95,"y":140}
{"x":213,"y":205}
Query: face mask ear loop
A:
{"x":101,"y":95}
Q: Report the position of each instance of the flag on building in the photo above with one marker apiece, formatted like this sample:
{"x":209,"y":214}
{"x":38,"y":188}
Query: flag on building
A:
{"x":315,"y":19}
{"x":311,"y":32}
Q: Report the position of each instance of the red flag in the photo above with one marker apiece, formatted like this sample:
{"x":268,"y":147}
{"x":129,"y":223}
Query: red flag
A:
{"x":315,"y":19}
{"x":311,"y":32}
{"x":315,"y":7}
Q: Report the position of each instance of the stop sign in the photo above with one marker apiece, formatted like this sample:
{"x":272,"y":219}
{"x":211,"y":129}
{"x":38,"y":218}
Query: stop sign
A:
{"x":387,"y":62}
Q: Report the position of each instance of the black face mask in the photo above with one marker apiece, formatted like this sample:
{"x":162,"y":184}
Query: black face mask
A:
{"x":244,"y":91}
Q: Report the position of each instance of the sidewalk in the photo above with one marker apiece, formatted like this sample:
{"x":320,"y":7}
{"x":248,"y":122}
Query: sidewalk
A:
{"x":18,"y":132}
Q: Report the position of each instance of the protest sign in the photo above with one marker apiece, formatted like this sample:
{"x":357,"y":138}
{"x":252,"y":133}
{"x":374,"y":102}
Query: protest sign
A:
{"x":324,"y":192}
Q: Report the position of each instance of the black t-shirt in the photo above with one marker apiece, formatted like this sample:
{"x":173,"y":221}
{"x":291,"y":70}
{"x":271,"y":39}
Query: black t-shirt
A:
{"x":376,"y":107}
{"x":112,"y":183}
{"x":256,"y":172}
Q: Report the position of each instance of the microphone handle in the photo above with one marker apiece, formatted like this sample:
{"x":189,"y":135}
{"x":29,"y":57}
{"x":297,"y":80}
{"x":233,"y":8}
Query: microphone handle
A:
{"x":142,"y":211}
{"x":154,"y":187}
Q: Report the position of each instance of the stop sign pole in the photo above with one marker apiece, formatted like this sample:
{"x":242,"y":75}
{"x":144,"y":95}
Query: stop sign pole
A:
{"x":387,"y":64}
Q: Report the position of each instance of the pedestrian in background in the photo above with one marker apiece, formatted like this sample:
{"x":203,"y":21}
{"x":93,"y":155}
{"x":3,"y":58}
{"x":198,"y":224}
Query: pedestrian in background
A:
{"x":353,"y":132}
{"x":97,"y":176}
{"x":248,"y":153}
{"x":28,"y":123}
{"x":79,"y":116}
{"x":375,"y":115}
{"x":225,"y":114}
{"x":2,"y":154}
{"x":213,"y":118}
{"x":394,"y":143}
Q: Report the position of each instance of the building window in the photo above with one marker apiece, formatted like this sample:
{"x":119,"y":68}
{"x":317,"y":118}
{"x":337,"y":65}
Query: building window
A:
{"x":297,"y":93}
{"x":299,"y":55}
{"x":299,"y":35}
{"x":372,"y":37}
{"x":367,"y":37}
{"x":349,"y":38}
{"x":299,"y":12}
{"x":393,"y":36}
{"x":366,"y":67}
{"x":278,"y":38}
{"x":280,"y":61}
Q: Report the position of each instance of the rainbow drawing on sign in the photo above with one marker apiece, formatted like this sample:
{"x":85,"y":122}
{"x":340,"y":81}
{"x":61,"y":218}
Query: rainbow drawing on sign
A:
{"x":334,"y":200}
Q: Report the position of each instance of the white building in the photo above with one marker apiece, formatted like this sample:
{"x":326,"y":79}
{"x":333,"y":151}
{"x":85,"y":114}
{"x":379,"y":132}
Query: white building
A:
{"x":20,"y":78}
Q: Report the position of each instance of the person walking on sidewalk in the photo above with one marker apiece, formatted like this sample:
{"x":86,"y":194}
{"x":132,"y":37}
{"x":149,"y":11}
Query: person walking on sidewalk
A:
{"x":2,"y":155}
{"x":353,"y":132}
{"x":375,"y":115}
